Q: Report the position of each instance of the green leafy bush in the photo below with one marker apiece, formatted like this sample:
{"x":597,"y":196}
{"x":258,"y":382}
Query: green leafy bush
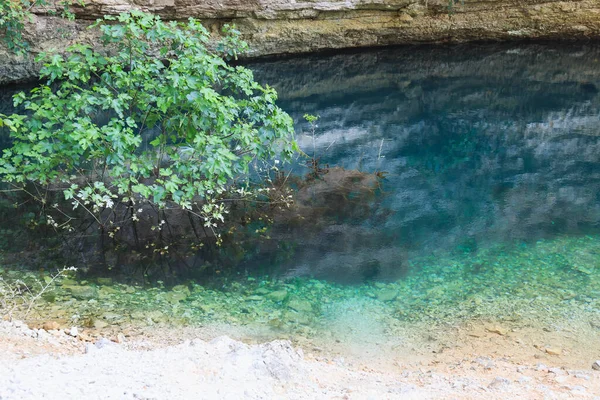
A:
{"x":156,"y":121}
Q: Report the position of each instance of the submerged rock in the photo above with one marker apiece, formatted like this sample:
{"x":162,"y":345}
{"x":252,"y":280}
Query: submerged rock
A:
{"x":82,"y":292}
{"x":387,"y":295}
{"x":278,"y":296}
{"x":104,"y":281}
{"x":300,"y":305}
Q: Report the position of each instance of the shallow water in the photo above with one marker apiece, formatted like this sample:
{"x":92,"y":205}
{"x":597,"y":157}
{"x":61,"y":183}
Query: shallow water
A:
{"x":489,"y":209}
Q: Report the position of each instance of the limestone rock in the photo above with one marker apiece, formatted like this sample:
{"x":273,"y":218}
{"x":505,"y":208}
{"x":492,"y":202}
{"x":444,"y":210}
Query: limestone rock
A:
{"x":279,"y":26}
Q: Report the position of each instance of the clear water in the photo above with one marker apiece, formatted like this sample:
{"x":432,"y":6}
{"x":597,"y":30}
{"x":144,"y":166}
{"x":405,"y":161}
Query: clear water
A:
{"x":479,"y":145}
{"x":489,"y":210}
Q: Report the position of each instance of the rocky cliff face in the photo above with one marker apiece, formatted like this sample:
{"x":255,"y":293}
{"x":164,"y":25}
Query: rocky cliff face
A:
{"x":281,"y":26}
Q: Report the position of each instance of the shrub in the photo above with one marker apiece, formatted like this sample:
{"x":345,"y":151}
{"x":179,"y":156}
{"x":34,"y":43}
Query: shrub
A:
{"x":155,"y":121}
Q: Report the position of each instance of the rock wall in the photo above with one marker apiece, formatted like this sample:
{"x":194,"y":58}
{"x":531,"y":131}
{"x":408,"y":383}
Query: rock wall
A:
{"x":281,"y":26}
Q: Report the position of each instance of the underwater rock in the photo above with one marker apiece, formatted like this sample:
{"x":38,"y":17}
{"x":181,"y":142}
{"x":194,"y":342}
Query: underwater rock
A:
{"x":104,"y":281}
{"x":82,"y":292}
{"x":387,"y":295}
{"x":99,"y":324}
{"x":129,"y":289}
{"x":278,"y":296}
{"x":182,"y":289}
{"x":300,"y":305}
{"x":105,"y":291}
{"x":175,"y":297}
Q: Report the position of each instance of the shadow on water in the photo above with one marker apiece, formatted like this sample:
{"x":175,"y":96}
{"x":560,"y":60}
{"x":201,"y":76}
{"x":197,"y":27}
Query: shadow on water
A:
{"x":479,"y":145}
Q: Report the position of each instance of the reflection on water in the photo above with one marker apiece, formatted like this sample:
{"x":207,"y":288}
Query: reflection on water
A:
{"x":480,"y":145}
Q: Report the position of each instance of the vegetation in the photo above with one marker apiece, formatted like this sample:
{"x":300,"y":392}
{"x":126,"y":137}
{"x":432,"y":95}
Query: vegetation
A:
{"x":155,"y":123}
{"x":18,"y":297}
{"x":15,"y":13}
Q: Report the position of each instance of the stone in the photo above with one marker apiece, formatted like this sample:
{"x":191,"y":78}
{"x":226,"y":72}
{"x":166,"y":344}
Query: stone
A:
{"x":99,"y":324}
{"x":105,"y":291}
{"x":254,"y":298}
{"x":278,"y":296}
{"x":300,"y":305}
{"x":129,"y":289}
{"x":103,"y":342}
{"x":104,"y":281}
{"x":112,"y":316}
{"x":498,"y":330}
{"x":556,"y":371}
{"x":82,"y":292}
{"x":596,"y":365}
{"x":156,"y":316}
{"x":553,"y":351}
{"x":405,"y":18}
{"x":499,"y":383}
{"x":73,"y":331}
{"x":51,"y":326}
{"x":175,"y":297}
{"x":120,"y":338}
{"x":182,"y":289}
{"x":276,"y":26}
{"x":387,"y":295}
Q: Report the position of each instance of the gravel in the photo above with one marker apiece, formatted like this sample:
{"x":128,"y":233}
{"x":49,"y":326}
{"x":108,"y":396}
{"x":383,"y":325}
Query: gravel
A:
{"x":224,"y":368}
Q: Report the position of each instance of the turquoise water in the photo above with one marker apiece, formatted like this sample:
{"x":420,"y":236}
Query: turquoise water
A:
{"x":488,"y":208}
{"x":479,"y":146}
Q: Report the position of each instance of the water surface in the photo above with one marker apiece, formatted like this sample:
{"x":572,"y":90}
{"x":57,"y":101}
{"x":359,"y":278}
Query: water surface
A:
{"x":489,"y":209}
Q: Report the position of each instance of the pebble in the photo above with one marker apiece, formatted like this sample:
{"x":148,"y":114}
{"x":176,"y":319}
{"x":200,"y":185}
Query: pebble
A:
{"x":596,"y":365}
{"x":73,"y":331}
